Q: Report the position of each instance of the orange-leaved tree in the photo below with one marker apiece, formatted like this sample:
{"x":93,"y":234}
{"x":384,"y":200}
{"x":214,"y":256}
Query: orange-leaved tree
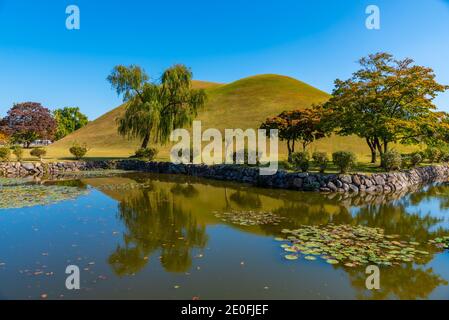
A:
{"x":386,"y":101}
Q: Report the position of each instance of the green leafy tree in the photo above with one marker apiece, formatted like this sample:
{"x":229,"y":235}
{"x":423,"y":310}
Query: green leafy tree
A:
{"x":386,"y":101}
{"x":302,"y":125}
{"x":155,"y":109}
{"x":68,"y":119}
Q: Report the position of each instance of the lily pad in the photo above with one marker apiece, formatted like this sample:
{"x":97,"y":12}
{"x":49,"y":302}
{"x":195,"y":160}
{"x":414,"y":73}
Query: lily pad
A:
{"x":311,"y":258}
{"x":21,"y":196}
{"x":352,"y":245}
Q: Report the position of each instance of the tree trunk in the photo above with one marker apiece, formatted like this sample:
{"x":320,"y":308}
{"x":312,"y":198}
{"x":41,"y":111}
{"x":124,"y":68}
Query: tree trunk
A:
{"x":372,"y":147}
{"x":289,"y":148}
{"x":145,"y":141}
{"x":381,"y":151}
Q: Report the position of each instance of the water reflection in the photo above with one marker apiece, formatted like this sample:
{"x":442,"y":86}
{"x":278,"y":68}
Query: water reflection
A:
{"x":155,"y":221}
{"x":166,"y":218}
{"x":407,"y":283}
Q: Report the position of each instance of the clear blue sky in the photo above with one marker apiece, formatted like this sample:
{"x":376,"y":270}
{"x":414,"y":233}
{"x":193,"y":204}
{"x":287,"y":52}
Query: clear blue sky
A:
{"x":314,"y":41}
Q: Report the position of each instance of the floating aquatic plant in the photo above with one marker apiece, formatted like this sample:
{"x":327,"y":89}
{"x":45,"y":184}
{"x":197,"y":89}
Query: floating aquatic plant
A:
{"x":21,"y":196}
{"x":442,"y":243}
{"x":93,"y":173}
{"x":350,"y":246}
{"x":249,"y":218}
{"x":13,"y":181}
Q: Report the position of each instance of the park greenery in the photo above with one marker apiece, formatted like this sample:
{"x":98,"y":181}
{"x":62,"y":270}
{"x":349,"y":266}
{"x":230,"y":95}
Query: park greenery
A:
{"x":38,"y":153}
{"x":385,"y":102}
{"x":68,"y":119}
{"x":30,"y":121}
{"x":388,"y":101}
{"x":78,"y":150}
{"x":154,"y":109}
{"x":17,"y":152}
{"x":27,"y":122}
{"x":146,"y":153}
{"x":303,"y":125}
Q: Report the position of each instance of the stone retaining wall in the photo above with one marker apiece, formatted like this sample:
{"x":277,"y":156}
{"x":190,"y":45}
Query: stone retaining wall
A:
{"x":329,"y":183}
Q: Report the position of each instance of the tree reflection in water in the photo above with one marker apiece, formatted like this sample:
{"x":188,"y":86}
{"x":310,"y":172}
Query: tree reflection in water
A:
{"x":408,"y":281}
{"x":155,"y":222}
{"x":156,"y":219}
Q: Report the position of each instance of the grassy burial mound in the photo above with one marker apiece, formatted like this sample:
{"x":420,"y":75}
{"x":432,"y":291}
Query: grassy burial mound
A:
{"x":245,"y":103}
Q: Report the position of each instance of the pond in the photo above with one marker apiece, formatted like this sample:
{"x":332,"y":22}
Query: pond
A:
{"x":148,"y":236}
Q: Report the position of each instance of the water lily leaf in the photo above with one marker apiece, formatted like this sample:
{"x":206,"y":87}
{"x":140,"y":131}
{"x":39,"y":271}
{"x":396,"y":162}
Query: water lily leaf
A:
{"x":311,"y":258}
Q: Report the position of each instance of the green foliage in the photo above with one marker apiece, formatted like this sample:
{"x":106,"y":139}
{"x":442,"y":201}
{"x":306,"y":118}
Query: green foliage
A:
{"x":78,"y":151}
{"x":344,"y":160}
{"x":156,"y":109}
{"x":38,"y":152}
{"x":5,"y":153}
{"x":415,"y":159}
{"x":301,"y":160}
{"x":444,"y":156}
{"x":18,"y":152}
{"x":244,"y":156}
{"x":320,"y":159}
{"x":433,"y":154}
{"x":387,"y":101}
{"x":68,"y":119}
{"x":298,"y":125}
{"x":391,"y":160}
{"x":146,"y":153}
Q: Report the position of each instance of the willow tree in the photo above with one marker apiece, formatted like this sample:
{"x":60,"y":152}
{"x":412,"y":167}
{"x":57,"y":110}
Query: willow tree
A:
{"x":386,"y":101}
{"x":179,"y":102}
{"x":154,"y":109}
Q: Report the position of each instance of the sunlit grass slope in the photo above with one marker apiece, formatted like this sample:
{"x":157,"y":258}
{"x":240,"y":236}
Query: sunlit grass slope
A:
{"x":241,"y":104}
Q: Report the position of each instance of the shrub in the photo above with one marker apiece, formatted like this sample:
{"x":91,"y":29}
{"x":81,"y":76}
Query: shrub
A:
{"x":38,"y":153}
{"x":344,"y":160}
{"x":432,"y":154}
{"x":246,"y":156}
{"x":78,"y":151}
{"x":415,"y":159}
{"x":5,"y":153}
{"x":391,"y":160}
{"x":18,"y":152}
{"x":146,"y":153}
{"x":320,"y":159}
{"x":444,"y":156}
{"x":301,"y":160}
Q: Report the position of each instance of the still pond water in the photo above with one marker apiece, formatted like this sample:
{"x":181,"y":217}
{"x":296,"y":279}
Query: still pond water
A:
{"x":146,"y":236}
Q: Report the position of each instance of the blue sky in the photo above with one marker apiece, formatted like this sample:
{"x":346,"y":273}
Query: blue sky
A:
{"x":314,"y":41}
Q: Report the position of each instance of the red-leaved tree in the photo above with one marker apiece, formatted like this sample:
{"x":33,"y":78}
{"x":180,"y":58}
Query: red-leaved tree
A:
{"x":27,"y":122}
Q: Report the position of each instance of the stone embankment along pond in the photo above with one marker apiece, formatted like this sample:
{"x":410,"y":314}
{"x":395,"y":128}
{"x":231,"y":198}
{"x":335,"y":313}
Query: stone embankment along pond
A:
{"x":330,"y":183}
